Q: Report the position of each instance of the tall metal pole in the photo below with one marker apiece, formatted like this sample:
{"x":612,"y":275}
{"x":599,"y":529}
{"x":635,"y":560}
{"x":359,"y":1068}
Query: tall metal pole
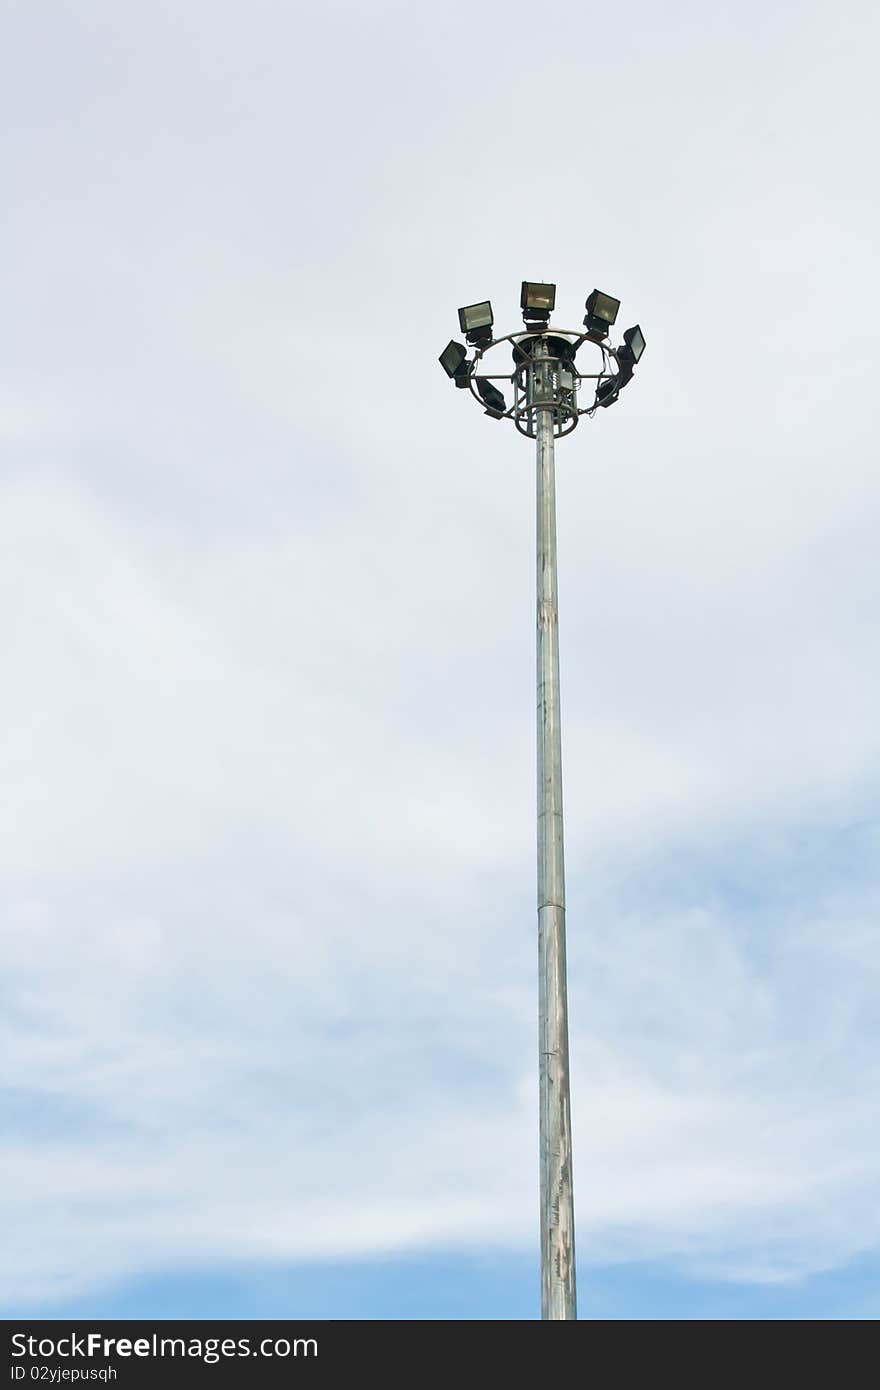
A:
{"x":558,"y":1298}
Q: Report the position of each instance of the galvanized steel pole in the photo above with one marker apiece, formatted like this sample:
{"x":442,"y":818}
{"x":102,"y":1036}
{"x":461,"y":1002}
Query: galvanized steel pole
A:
{"x":558,"y":1298}
{"x":546,"y":382}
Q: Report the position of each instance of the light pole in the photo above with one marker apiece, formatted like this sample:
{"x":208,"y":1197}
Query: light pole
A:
{"x":545,"y":384}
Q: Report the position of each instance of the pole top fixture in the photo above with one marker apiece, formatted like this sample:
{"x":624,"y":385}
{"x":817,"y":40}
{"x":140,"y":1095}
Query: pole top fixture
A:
{"x":546,"y":374}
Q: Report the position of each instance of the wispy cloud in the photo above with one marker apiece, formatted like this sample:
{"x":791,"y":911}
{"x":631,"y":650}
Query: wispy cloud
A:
{"x":266,"y":716}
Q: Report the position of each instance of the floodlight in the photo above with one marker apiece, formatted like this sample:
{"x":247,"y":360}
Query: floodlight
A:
{"x":492,"y":398}
{"x":475,"y":321}
{"x":608,"y":391}
{"x":452,"y":357}
{"x":633,"y":345}
{"x":537,"y":300}
{"x":601,"y":313}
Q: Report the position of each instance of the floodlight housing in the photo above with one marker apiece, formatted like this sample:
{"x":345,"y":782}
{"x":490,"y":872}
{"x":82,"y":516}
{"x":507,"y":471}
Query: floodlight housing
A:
{"x":492,"y":398}
{"x":633,"y":345}
{"x":475,"y":321}
{"x":452,"y":357}
{"x":537,"y":301}
{"x":602,"y":310}
{"x":608,"y":391}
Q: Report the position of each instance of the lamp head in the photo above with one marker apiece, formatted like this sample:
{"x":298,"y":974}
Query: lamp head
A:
{"x":537,"y":301}
{"x":454,"y":361}
{"x":452,"y":357}
{"x":608,"y":391}
{"x":633,"y":345}
{"x":475,"y":321}
{"x":492,"y":398}
{"x":602,"y":310}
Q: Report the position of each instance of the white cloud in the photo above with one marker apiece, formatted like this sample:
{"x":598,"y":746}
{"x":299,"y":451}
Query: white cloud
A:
{"x":266,"y":720}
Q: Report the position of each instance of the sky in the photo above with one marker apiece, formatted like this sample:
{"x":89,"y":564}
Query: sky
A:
{"x":267,"y":744}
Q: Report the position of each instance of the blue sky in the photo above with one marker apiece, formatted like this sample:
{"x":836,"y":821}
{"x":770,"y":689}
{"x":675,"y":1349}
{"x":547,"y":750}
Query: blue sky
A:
{"x":440,"y":1286}
{"x":267,"y":1012}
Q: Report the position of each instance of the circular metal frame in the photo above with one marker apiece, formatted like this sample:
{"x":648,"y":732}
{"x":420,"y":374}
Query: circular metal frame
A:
{"x":523,"y":411}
